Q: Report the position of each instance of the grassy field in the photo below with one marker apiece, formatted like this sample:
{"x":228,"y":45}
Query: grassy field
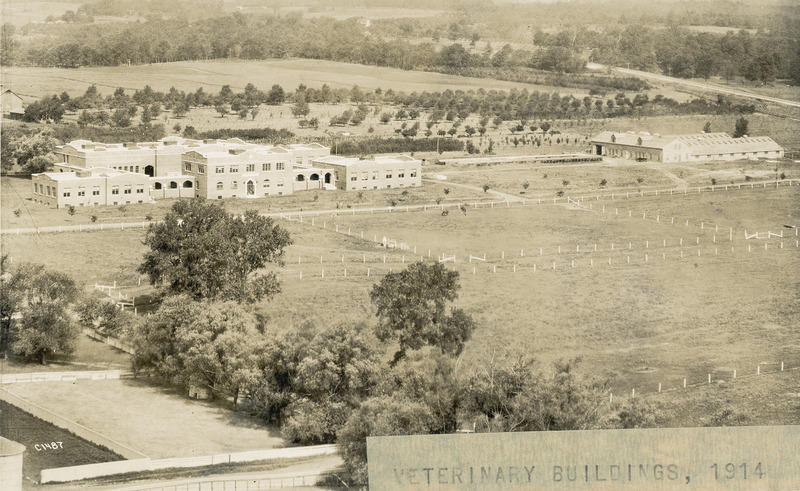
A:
{"x":212,"y":75}
{"x":651,"y":322}
{"x":32,"y":432}
{"x":156,"y":421}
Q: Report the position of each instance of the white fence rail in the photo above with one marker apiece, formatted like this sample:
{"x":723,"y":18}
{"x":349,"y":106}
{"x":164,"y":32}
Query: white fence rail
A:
{"x":232,"y":484}
{"x":65,"y":474}
{"x":18,"y":378}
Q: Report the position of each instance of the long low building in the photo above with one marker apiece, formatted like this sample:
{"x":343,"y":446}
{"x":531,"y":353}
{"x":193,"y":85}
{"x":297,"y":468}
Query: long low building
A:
{"x":684,"y":148}
{"x":380,"y":172}
{"x":91,"y":174}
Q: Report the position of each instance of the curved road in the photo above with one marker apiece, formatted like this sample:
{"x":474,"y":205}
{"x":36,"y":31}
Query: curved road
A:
{"x":699,"y":85}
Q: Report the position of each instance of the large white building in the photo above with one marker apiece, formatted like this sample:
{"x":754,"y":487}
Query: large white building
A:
{"x":90,"y":174}
{"x":683,"y":148}
{"x":381,"y":172}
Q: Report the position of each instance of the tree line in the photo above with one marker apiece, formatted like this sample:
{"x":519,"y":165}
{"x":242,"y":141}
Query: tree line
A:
{"x":761,"y":56}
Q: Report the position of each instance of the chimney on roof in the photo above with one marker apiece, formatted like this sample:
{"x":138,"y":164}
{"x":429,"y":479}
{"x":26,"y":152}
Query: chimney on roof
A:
{"x":236,"y":151}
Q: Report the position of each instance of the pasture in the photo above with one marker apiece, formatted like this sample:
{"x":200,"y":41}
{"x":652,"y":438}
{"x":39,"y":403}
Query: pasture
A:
{"x":665,"y":315}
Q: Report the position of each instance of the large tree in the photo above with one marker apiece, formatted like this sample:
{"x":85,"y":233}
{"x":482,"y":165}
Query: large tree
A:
{"x":213,"y":345}
{"x":36,"y":318}
{"x":412,"y":307}
{"x":203,"y":251}
{"x":741,"y":127}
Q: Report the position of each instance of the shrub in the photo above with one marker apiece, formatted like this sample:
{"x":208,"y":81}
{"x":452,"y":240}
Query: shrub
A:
{"x":71,"y":210}
{"x":94,"y":218}
{"x":565,"y":182}
{"x":603,"y":182}
{"x":526,"y":185}
{"x":560,"y":193}
{"x":148,"y":217}
{"x":783,"y":175}
{"x":446,"y":190}
{"x":17,"y":212}
{"x":640,"y":180}
{"x":713,"y":181}
{"x":485,"y":188}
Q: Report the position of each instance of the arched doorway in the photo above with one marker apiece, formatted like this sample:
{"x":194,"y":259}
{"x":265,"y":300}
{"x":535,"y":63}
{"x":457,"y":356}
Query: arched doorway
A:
{"x":328,"y":178}
{"x":301,"y":178}
{"x":150,"y":170}
{"x":173,"y":184}
{"x":158,"y":185}
{"x":251,"y":188}
{"x":314,"y":177}
{"x":187,"y":184}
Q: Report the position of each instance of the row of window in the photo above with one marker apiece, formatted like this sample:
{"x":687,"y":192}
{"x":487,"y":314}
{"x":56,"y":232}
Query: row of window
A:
{"x":401,"y":174}
{"x":129,"y":168}
{"x":234,"y":169}
{"x":235,"y":185}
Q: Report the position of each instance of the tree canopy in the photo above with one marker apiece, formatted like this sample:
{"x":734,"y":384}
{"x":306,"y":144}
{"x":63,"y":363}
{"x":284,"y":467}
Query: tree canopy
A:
{"x":412,"y":307}
{"x":35,"y":317}
{"x":203,"y":251}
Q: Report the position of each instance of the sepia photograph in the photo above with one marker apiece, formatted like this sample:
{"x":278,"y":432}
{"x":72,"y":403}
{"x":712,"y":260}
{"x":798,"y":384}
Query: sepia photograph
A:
{"x":370,"y":244}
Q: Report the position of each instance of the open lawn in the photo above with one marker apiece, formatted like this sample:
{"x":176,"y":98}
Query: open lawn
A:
{"x":155,"y":421}
{"x":32,"y":432}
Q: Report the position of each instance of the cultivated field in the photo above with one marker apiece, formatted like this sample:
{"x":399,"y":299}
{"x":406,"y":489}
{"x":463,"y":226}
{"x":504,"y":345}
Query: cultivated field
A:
{"x":157,"y":422}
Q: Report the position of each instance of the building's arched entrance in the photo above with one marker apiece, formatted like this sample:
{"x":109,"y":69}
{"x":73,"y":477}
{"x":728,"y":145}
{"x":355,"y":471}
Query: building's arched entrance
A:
{"x":251,"y":188}
{"x":150,"y":170}
{"x":314,"y":177}
{"x":187,"y":184}
{"x":328,"y":178}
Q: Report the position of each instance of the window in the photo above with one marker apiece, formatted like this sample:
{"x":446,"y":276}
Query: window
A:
{"x":66,"y":194}
{"x":234,"y":169}
{"x":266,"y":183}
{"x":364,"y":176}
{"x":279,"y":166}
{"x":81,"y":192}
{"x":413,"y":173}
{"x":201,"y":169}
{"x":128,"y":190}
{"x":139,"y":189}
{"x":158,"y":185}
{"x":48,"y":190}
{"x":266,"y":167}
{"x":251,"y":167}
{"x":234,"y":185}
{"x":115,"y":190}
{"x":388,"y":174}
{"x":96,"y":191}
{"x":187,"y":166}
{"x":220,"y":170}
{"x":137,"y":168}
{"x":280,"y":183}
{"x":219,"y":185}
{"x":354,"y":177}
{"x":401,"y":174}
{"x":374,"y":175}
